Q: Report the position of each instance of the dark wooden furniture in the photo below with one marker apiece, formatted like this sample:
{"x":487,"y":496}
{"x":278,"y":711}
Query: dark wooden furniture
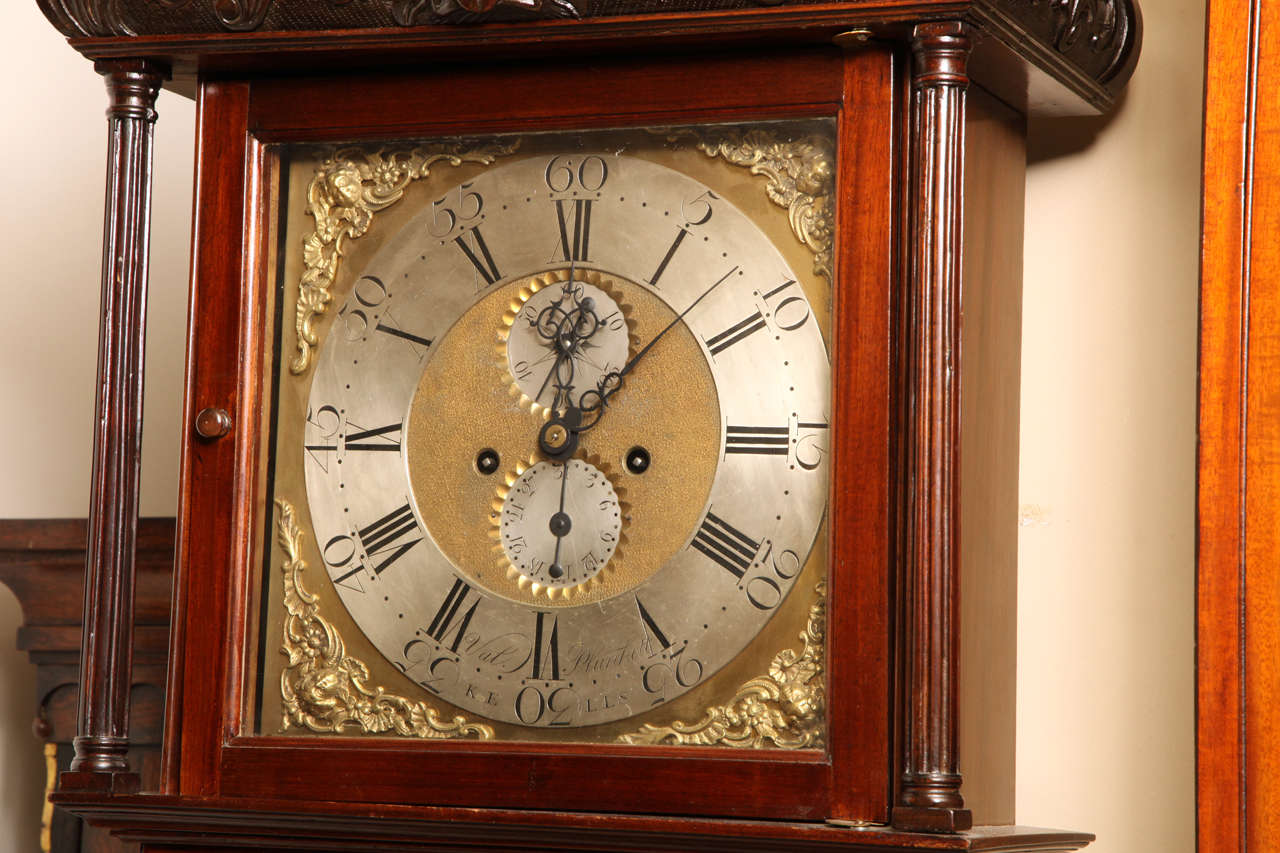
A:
{"x":1238,"y":604}
{"x":930,"y":101}
{"x":42,"y":562}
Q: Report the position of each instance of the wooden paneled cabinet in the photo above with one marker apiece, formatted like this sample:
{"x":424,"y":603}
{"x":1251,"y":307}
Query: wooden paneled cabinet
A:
{"x":915,"y":218}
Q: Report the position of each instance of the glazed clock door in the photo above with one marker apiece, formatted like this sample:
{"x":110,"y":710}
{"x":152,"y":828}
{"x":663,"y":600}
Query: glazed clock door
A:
{"x":553,"y":444}
{"x":564,"y":445}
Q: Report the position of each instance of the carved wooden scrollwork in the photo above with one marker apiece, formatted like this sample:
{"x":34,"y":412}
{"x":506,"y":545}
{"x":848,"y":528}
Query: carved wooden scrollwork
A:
{"x":1099,"y":36}
{"x":86,"y":17}
{"x":241,"y":15}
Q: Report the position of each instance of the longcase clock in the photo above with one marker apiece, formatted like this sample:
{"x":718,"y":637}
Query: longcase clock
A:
{"x":574,"y":421}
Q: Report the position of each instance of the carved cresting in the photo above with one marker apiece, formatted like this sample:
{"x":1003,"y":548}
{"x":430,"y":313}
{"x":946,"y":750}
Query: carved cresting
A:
{"x":929,"y":782}
{"x":326,"y":690}
{"x":107,"y":651}
{"x":1098,"y":37}
{"x":75,"y":18}
{"x":785,"y":708}
{"x":343,"y":196}
{"x":134,"y":17}
{"x":1096,"y":34}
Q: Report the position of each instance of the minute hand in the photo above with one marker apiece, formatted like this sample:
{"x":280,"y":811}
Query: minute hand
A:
{"x":636,"y":358}
{"x":573,"y":422}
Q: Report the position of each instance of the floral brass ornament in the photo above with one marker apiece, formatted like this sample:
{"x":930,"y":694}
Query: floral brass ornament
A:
{"x":784,"y":709}
{"x":346,"y":191}
{"x":325,"y":690}
{"x":801,"y":178}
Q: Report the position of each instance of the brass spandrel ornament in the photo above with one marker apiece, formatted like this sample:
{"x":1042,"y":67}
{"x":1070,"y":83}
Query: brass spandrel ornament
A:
{"x":800,"y":173}
{"x":345,"y":193}
{"x":325,"y":690}
{"x":783,"y":708}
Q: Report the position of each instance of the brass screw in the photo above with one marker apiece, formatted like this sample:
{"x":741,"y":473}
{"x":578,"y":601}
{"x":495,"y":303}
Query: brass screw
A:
{"x":852,"y":38}
{"x":556,"y":436}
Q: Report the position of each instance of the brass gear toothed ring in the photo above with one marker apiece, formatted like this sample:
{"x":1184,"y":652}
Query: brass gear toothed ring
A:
{"x":559,"y":527}
{"x":563,"y":335}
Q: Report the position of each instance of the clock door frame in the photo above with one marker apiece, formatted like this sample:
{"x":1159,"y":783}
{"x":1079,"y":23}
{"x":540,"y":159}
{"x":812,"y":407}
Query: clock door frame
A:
{"x":222,"y":498}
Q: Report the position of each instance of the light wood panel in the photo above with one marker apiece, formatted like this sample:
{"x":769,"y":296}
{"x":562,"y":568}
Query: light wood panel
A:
{"x":1238,"y":582}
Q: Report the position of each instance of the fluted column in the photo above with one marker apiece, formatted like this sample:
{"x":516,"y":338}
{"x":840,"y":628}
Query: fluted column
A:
{"x":102,"y":740}
{"x":928,"y":796}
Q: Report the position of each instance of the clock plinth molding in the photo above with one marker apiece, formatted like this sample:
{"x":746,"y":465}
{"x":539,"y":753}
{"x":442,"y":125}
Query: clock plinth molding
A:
{"x":897,"y":295}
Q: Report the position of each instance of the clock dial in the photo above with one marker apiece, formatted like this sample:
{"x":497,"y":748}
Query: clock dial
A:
{"x":565,"y":444}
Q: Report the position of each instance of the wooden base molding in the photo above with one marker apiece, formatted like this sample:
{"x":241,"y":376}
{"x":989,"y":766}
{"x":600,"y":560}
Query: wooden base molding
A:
{"x":254,"y":825}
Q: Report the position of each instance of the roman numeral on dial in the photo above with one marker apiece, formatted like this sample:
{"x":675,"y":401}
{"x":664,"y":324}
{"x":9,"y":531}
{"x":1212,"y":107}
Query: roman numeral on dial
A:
{"x":396,"y":331}
{"x":725,"y":545}
{"x":652,"y":626}
{"x":480,"y":257}
{"x":770,"y":441}
{"x":737,"y":332}
{"x":574,"y":218}
{"x":443,"y":621}
{"x":386,"y":438}
{"x":546,"y":649}
{"x":393,"y":535}
{"x":666,"y":259}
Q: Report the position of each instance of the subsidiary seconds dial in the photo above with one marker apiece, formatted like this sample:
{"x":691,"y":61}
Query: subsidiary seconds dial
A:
{"x":611,"y":301}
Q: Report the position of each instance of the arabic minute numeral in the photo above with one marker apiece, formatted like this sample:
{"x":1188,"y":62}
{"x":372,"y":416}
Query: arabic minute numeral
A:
{"x":764,"y":592}
{"x":533,"y":704}
{"x":810,"y":449}
{"x":448,"y":213}
{"x":367,"y":294}
{"x":791,"y":311}
{"x":684,"y":671}
{"x":564,"y":174}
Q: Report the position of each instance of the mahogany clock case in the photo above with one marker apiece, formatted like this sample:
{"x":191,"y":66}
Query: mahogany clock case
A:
{"x":224,"y":514}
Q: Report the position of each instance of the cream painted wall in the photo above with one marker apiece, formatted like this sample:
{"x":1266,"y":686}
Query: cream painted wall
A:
{"x":1105,"y":662}
{"x":1106,"y":548}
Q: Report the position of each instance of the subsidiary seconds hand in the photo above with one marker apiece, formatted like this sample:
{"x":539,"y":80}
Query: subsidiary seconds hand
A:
{"x":632,"y":363}
{"x":560,"y":523}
